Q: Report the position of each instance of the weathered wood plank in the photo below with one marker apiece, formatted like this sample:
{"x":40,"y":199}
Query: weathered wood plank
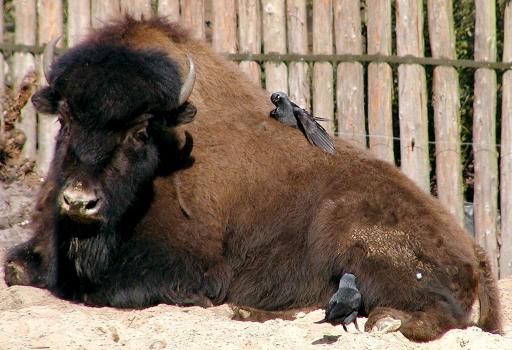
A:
{"x":170,"y":9}
{"x":79,"y":20}
{"x":298,"y":72}
{"x":349,"y":76}
{"x":274,"y":40}
{"x":380,"y":81}
{"x":323,"y":93}
{"x":484,"y":132}
{"x":136,"y":8}
{"x":50,"y":26}
{"x":446,"y":102}
{"x":2,"y":78}
{"x":224,"y":26}
{"x":103,"y":11}
{"x":25,"y":33}
{"x":412,"y":94}
{"x":193,"y":15}
{"x":249,"y":34}
{"x":506,"y":153}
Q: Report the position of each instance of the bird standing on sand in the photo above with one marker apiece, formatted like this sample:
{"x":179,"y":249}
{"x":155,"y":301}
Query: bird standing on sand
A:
{"x":345,"y":303}
{"x":292,"y":115}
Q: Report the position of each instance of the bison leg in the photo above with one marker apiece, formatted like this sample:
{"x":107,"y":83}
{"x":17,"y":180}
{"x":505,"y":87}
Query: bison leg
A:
{"x":145,"y":274}
{"x":26,"y":265}
{"x":416,"y":325}
{"x":216,"y":282}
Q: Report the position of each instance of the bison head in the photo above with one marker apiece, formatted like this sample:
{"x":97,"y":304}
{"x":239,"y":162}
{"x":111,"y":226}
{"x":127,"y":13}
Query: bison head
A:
{"x":117,"y":108}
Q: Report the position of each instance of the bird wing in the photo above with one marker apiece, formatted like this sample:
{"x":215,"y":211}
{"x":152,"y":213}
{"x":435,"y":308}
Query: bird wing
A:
{"x":314,"y":132}
{"x":297,"y":108}
{"x":351,"y":297}
{"x":338,"y":312}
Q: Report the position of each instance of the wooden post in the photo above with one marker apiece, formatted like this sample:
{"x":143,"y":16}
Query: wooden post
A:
{"x":412,"y":94}
{"x":192,"y":14}
{"x":350,"y":76}
{"x":136,"y":8}
{"x":298,"y":72}
{"x":446,"y":101}
{"x":170,"y":9}
{"x":274,"y":40}
{"x":323,"y":105}
{"x":25,"y":33}
{"x":2,"y":79}
{"x":224,"y":26}
{"x":50,"y":26}
{"x":380,"y":81}
{"x":79,"y":20}
{"x":103,"y":11}
{"x":506,"y":153}
{"x":249,"y":34}
{"x":484,"y":132}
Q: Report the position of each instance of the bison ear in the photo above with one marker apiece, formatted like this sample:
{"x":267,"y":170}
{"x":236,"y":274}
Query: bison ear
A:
{"x":183,"y":115}
{"x":44,"y":101}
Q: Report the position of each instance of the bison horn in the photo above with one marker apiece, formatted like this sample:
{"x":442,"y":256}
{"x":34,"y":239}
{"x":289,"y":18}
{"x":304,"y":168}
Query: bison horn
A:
{"x":48,"y":56}
{"x":188,"y":85}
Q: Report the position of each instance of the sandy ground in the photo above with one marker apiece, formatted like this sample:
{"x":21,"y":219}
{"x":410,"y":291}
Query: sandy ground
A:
{"x":31,"y":318}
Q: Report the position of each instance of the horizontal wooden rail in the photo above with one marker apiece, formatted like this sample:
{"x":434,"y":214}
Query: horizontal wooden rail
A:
{"x":8,"y":48}
{"x":425,"y":61}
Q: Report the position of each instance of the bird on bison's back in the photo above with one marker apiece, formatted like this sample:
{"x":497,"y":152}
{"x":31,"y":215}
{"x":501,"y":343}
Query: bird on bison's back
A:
{"x":292,"y":115}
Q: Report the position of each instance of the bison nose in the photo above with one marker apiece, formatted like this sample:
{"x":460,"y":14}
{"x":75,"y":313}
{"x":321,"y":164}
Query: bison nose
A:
{"x":77,"y":201}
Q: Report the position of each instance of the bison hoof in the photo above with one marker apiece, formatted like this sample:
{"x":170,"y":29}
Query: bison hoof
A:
{"x":386,"y":325}
{"x":240,"y":314}
{"x":15,"y":274}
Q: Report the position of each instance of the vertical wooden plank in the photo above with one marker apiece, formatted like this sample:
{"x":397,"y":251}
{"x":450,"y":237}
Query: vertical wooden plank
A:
{"x":79,"y":20}
{"x":298,"y":72}
{"x":103,"y":11}
{"x":249,"y":36}
{"x":349,"y":76}
{"x":136,"y":8}
{"x":446,"y":101}
{"x":224,"y":26}
{"x":193,"y":15}
{"x":412,"y":94}
{"x":274,"y":40}
{"x":2,"y":78}
{"x":49,"y":14}
{"x":170,"y":9}
{"x":323,"y":105}
{"x":484,"y":132}
{"x":506,"y":153}
{"x":25,"y":33}
{"x":380,"y":81}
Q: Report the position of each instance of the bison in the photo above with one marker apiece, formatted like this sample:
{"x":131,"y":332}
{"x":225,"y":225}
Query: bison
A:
{"x":147,"y":201}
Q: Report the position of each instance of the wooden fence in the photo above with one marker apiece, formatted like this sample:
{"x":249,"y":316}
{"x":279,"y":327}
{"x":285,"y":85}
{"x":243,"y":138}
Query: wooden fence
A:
{"x":316,"y":51}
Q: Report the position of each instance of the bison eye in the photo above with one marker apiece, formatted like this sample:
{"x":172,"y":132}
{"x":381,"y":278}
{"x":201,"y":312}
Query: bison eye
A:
{"x":141,"y":135}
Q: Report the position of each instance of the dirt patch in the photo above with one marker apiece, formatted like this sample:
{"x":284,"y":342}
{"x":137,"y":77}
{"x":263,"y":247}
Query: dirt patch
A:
{"x":32,"y":318}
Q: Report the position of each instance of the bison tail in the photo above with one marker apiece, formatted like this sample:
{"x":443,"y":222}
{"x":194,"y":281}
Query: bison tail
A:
{"x":488,"y":295}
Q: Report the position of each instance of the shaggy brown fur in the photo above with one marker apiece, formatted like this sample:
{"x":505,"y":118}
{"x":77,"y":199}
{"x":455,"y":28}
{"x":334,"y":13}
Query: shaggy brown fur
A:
{"x":276,"y":232}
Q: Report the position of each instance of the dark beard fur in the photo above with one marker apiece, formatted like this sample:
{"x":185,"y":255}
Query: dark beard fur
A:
{"x":91,"y":256}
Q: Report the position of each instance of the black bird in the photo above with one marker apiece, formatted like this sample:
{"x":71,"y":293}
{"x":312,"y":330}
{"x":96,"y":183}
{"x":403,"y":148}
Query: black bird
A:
{"x":292,"y":115}
{"x":344,"y":304}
